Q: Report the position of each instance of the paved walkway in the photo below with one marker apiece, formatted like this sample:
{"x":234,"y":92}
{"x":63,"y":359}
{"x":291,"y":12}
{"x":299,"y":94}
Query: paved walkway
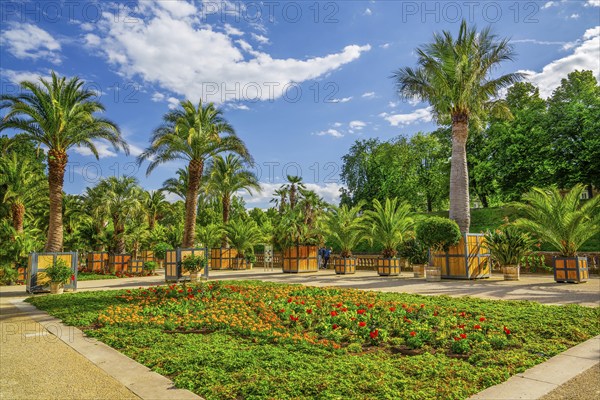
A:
{"x":35,"y":364}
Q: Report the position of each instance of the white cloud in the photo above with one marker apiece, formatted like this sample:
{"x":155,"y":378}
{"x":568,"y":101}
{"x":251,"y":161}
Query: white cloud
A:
{"x":368,"y":11}
{"x":549,"y":4}
{"x":103,"y":147}
{"x":27,"y":41}
{"x":92,"y":40}
{"x":337,"y":124}
{"x":330,"y":132}
{"x":357,"y":125}
{"x":592,"y":3}
{"x":157,"y":97}
{"x":585,"y":56}
{"x":342,"y":100}
{"x":330,"y":192}
{"x":574,"y":16}
{"x":232,"y":31}
{"x":173,"y":103}
{"x":417,"y":116}
{"x":192,"y":60}
{"x":260,"y":38}
{"x":541,"y":42}
{"x":393,"y":104}
{"x":385,"y":45}
{"x":235,"y":106}
{"x":368,"y":95}
{"x":20,"y":76}
{"x":86,"y":26}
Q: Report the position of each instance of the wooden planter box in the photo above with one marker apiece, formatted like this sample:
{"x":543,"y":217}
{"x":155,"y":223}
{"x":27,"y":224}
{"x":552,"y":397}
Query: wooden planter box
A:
{"x":344,"y":265}
{"x":433,"y":274}
{"x":469,"y":259}
{"x":239,"y":264}
{"x":299,"y":259}
{"x":418,"y":270}
{"x":147,"y":255}
{"x":118,"y":262}
{"x":388,"y":266}
{"x":511,"y":272}
{"x":97,"y":261}
{"x":174,"y":271}
{"x":571,"y":269}
{"x":135,"y":266}
{"x":38,"y":281}
{"x":222,"y":258}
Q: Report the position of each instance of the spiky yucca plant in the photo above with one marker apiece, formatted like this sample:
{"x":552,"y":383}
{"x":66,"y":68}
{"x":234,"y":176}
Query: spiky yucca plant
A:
{"x":508,"y":245}
{"x":560,"y":220}
{"x":388,"y":224}
{"x":345,"y":227}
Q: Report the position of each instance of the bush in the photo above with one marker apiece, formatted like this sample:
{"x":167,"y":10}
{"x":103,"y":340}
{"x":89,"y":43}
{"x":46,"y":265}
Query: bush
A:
{"x":150,"y":266}
{"x":194,"y":263}
{"x":414,"y":251}
{"x":8,"y":275}
{"x":508,"y":245}
{"x":160,"y":250}
{"x":438,"y":233}
{"x":59,"y":272}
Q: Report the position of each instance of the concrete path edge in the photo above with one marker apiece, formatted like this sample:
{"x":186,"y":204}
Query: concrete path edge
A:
{"x":139,"y":379}
{"x":540,"y":380}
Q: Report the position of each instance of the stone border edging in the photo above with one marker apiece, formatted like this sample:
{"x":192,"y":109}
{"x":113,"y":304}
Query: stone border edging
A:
{"x":139,"y":379}
{"x":547,"y":376}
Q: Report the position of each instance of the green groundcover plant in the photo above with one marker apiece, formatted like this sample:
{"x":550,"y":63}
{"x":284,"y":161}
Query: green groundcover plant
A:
{"x":230,"y":340}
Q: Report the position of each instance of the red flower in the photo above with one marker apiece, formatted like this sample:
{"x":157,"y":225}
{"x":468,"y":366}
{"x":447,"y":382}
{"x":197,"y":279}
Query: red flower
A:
{"x":180,"y":290}
{"x":463,"y":335}
{"x":72,"y":277}
{"x":190,"y":296}
{"x":392,"y":309}
{"x":343,"y":309}
{"x":334,"y":313}
{"x":413,"y":333}
{"x":360,"y":312}
{"x":462,"y":326}
{"x":302,"y":302}
{"x":362,"y":324}
{"x":506,"y":330}
{"x":456,"y":339}
{"x":462,"y":314}
{"x":352,"y":318}
{"x":309,"y":311}
{"x":293,"y":318}
{"x":477,"y":326}
{"x":482,"y":319}
{"x":282,"y":310}
{"x":403,"y":305}
{"x":334,"y":326}
{"x":435,"y":313}
{"x":422,"y":305}
{"x":370,"y":306}
{"x":374,"y":334}
{"x":289,"y":299}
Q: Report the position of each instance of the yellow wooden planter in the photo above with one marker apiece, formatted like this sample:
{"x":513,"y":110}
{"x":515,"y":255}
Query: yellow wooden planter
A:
{"x":571,"y":269}
{"x":38,"y":281}
{"x":97,"y":261}
{"x":344,"y":265}
{"x":174,"y":271}
{"x":299,"y":259}
{"x":469,"y":259}
{"x":222,"y":258}
{"x":118,"y":262}
{"x":388,"y":266}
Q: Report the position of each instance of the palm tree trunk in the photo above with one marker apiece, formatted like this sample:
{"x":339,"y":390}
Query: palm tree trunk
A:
{"x":459,"y":174}
{"x":226,"y":206}
{"x":196,"y":168}
{"x":57,"y":161}
{"x":151,"y":221}
{"x":119,"y":237}
{"x":18,"y":212}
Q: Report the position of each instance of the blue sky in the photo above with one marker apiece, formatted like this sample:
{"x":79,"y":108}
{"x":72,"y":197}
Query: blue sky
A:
{"x":299,"y":81}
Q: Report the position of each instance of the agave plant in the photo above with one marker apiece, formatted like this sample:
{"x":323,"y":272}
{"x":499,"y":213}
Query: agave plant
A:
{"x":560,"y":220}
{"x":388,"y":224}
{"x":345,"y":228}
{"x":508,"y":245}
{"x":243,"y":236}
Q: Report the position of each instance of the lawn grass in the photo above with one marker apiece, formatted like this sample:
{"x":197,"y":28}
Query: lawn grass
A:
{"x":92,"y":276}
{"x":258,"y":340}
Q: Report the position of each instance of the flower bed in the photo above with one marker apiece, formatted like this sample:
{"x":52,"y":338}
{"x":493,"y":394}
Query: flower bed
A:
{"x":263,"y":340}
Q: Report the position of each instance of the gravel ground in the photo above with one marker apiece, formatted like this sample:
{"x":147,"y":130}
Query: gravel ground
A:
{"x":35,"y":365}
{"x":583,"y":387}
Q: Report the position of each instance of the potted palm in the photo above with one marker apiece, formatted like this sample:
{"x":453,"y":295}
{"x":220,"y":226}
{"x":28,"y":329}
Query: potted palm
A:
{"x":345,"y":228}
{"x":387,"y":225}
{"x":242,"y":236}
{"x":298,"y":240}
{"x":563,"y":222}
{"x":194,"y":264}
{"x":508,"y":246}
{"x":59,"y":273}
{"x":439,"y":234}
{"x":417,"y":255}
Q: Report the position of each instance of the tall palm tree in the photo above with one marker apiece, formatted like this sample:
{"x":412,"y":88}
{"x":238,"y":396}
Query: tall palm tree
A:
{"x":58,"y":114}
{"x":154,"y":205}
{"x":121,"y":200}
{"x":280,"y":198}
{"x":388,"y":224}
{"x":453,"y":75}
{"x":22,"y":186}
{"x":178,"y":186}
{"x":560,"y":220}
{"x":312,"y":205}
{"x":294,"y":184}
{"x":228,"y":175}
{"x":95,"y":217}
{"x":194,"y":134}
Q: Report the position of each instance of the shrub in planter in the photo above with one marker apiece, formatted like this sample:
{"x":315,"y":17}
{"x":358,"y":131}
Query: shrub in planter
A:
{"x":194,"y":264}
{"x":59,"y":274}
{"x":242,"y":236}
{"x":160,"y":250}
{"x":417,"y":255}
{"x":508,"y":246}
{"x":345,"y":229}
{"x":388,"y":225}
{"x":150,"y":267}
{"x":439,"y":234}
{"x":565,"y":223}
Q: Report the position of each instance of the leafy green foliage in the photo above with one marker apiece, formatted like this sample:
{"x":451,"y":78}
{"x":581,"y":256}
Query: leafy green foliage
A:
{"x":388,"y":224}
{"x":194,"y":263}
{"x":160,"y":250}
{"x":59,"y":271}
{"x":438,"y":233}
{"x":345,"y":228}
{"x":414,"y":251}
{"x":508,"y":245}
{"x":243,"y":236}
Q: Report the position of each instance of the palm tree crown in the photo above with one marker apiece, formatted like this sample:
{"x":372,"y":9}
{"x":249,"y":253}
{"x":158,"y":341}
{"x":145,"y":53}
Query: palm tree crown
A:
{"x":388,"y":224}
{"x":346,"y":227}
{"x":453,"y":75}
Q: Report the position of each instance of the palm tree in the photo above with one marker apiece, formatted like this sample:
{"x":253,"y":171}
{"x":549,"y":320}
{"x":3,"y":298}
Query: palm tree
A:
{"x":59,"y":114}
{"x":454,"y":77}
{"x":312,"y":205}
{"x":560,"y":220}
{"x":178,"y":186}
{"x":95,"y":218}
{"x":155,"y":206}
{"x":388,"y":224}
{"x":210,"y":235}
{"x":22,"y":186}
{"x":294,"y":183}
{"x":280,"y":199}
{"x":226,"y":177}
{"x":194,"y":134}
{"x":122,"y":200}
{"x":243,"y":236}
{"x":346,"y":227}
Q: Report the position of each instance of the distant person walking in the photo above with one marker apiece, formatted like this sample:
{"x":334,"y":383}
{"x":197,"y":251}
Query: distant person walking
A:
{"x":326,"y":255}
